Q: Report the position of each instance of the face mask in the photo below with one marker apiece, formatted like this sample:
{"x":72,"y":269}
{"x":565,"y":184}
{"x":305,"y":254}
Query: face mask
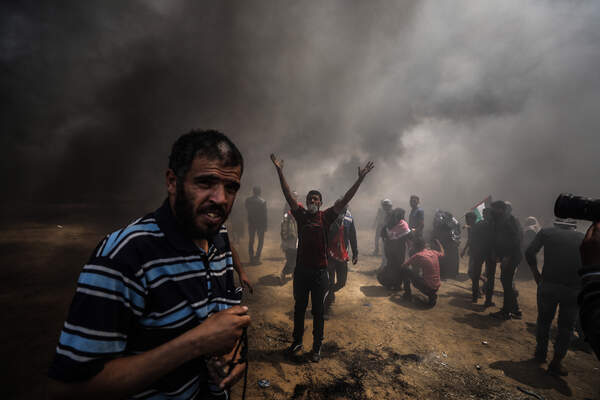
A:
{"x":312,"y":208}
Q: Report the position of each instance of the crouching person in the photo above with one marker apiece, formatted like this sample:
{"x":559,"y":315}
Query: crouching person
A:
{"x":425,"y":272}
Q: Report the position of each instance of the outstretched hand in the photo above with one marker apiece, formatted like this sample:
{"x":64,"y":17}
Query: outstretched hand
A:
{"x":278,"y":163}
{"x":362,"y":172}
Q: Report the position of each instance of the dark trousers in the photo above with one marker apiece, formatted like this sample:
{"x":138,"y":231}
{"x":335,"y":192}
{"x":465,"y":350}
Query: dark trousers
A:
{"x":313,"y":281}
{"x":490,"y":276}
{"x":252,"y":229}
{"x":338,"y":273}
{"x":508,"y":267}
{"x":475,"y":265}
{"x":409,"y":276}
{"x":549,"y":297}
{"x":290,"y":261}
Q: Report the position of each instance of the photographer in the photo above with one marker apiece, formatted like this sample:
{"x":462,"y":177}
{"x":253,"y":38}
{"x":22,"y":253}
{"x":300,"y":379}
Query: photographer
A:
{"x":589,"y":298}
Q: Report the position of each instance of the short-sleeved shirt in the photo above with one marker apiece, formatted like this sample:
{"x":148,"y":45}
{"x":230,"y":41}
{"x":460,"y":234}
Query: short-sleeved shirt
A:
{"x":143,"y":286}
{"x":428,"y":261}
{"x":561,"y":255}
{"x":312,"y":237}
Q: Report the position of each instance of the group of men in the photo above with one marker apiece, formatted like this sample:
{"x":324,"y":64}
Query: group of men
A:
{"x":156,"y":311}
{"x":422,"y":268}
{"x":498,"y":237}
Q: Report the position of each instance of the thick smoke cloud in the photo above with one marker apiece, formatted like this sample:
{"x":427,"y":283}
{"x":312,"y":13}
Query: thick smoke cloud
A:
{"x":453,"y":101}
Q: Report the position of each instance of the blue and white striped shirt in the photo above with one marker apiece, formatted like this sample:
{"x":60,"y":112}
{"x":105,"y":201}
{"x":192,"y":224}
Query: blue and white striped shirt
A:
{"x":143,"y":286}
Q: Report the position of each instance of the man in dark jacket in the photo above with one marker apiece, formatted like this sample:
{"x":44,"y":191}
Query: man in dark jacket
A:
{"x":256,"y":207}
{"x":558,"y":285}
{"x":507,"y":248}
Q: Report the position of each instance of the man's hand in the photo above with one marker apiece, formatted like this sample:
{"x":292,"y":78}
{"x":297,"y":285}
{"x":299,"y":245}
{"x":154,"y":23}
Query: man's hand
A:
{"x":362,"y":172}
{"x":235,"y":374}
{"x":590,"y":247}
{"x":278,"y":163}
{"x":219,"y":333}
{"x":246,"y":282}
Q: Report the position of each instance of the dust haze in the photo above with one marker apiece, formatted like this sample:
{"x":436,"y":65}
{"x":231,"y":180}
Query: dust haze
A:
{"x":452,"y":100}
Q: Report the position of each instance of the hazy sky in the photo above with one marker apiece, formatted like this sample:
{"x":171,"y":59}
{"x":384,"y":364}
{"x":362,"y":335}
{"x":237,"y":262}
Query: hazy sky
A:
{"x":453,"y":100}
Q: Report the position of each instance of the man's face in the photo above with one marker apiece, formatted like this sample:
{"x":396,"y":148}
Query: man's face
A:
{"x":315,"y":200}
{"x":414,"y":202}
{"x":203,"y":199}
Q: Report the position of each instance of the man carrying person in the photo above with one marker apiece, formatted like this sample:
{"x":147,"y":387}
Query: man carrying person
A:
{"x":156,"y":303}
{"x":310,"y":276}
{"x":507,"y":239}
{"x":256,"y":207}
{"x":341,"y":234}
{"x":380,"y":220}
{"x":558,"y":286}
{"x":416,"y":218}
{"x":427,"y":262}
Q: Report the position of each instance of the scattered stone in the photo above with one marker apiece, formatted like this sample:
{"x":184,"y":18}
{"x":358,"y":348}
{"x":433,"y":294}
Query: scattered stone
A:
{"x":478,"y":367}
{"x":264,"y":383}
{"x":484,"y":342}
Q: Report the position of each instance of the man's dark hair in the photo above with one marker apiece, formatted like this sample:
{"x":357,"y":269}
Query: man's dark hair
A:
{"x":310,"y":193}
{"x":499,"y":205}
{"x":470,"y":216}
{"x":414,"y":196}
{"x":418,"y":244}
{"x":211,"y":144}
{"x":256,"y":190}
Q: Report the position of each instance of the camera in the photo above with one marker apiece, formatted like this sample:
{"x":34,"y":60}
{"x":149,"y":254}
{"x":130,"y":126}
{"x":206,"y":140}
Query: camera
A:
{"x":570,"y":206}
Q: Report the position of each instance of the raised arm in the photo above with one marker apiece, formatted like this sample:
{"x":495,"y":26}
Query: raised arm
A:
{"x":441,"y":248}
{"x":287,"y":193}
{"x":362,"y":172}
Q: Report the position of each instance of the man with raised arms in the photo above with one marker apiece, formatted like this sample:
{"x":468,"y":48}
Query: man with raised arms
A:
{"x":310,"y":276}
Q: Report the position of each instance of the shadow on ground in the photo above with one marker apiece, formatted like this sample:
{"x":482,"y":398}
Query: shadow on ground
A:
{"x":479,"y":321}
{"x":375,"y":291}
{"x":269,"y":280}
{"x":532,"y":374}
{"x":417,"y":302}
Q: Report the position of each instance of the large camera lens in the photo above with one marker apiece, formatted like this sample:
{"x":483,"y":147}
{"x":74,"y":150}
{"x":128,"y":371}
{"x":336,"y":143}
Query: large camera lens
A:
{"x":570,"y":206}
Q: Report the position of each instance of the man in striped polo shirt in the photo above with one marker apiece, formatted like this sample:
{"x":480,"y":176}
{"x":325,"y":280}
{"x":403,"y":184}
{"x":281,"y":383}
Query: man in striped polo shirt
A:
{"x":157,"y":300}
{"x":310,"y":275}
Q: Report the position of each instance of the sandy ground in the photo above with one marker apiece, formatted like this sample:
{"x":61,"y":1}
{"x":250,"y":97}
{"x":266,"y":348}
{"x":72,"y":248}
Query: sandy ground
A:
{"x":377,"y":346}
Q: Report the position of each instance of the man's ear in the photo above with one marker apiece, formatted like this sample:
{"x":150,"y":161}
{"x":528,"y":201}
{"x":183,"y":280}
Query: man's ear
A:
{"x":171,"y":182}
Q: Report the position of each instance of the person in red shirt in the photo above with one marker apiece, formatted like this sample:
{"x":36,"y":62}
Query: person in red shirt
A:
{"x":427,"y":261}
{"x":310,"y":275}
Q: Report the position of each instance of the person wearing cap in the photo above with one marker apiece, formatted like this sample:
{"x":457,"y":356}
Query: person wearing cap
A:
{"x":311,"y":276}
{"x":558,"y":286}
{"x":380,"y":220}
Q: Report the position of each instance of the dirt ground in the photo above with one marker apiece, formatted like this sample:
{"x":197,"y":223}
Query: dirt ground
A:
{"x":377,"y":346}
